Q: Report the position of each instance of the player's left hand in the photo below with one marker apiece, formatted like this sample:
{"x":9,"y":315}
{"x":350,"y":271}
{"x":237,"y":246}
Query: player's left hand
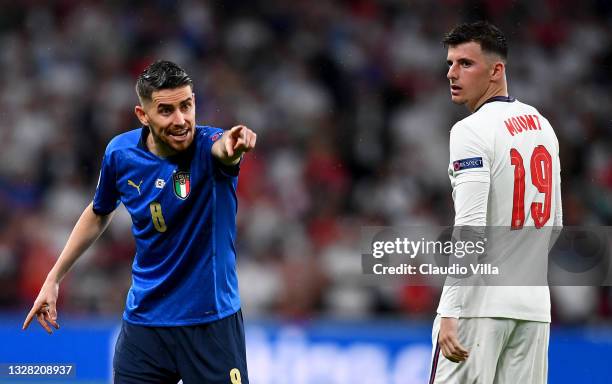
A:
{"x":239,"y":140}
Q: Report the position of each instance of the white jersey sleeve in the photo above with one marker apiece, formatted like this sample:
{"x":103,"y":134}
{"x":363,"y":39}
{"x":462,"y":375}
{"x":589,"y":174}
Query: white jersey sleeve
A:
{"x":470,"y":178}
{"x":470,"y":175}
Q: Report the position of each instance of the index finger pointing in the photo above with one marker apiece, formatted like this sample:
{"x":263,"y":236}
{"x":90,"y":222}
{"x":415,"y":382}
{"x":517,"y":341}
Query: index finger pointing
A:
{"x":28,"y":319}
{"x":237,"y":130}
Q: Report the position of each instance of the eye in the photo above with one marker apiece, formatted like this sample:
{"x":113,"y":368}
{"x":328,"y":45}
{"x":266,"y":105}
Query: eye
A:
{"x":165,"y":110}
{"x":186,"y":107}
{"x":466,"y":64}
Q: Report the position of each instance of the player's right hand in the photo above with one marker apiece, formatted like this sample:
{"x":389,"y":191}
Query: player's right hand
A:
{"x":239,"y":139}
{"x":44,"y":307}
{"x":449,"y":342}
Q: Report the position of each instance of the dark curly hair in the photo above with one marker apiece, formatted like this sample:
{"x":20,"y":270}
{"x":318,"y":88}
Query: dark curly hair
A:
{"x":161,"y":75}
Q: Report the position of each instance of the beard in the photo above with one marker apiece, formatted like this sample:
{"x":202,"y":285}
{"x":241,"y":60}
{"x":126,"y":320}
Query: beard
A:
{"x":171,"y":140}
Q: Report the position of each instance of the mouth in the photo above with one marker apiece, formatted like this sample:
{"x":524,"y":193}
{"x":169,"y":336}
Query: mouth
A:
{"x":455,"y":89}
{"x":179,"y":134}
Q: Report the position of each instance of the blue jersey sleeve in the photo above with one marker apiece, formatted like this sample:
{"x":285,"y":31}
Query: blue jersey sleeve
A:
{"x":211,"y":135}
{"x":106,"y":198}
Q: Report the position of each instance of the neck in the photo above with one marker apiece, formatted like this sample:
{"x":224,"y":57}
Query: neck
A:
{"x":157,"y":147}
{"x":492,"y":91}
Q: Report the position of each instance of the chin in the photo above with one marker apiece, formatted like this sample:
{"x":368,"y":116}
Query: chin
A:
{"x":458,"y":100}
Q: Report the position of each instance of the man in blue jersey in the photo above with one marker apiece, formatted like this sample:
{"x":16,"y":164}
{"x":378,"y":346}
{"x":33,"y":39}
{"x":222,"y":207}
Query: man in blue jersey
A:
{"x":177,"y":180}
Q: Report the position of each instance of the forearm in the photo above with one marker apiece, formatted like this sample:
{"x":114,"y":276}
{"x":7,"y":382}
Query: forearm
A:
{"x":87,"y":229}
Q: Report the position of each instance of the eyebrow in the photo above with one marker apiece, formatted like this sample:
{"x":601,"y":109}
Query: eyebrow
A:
{"x":170,"y":105}
{"x":460,"y":60}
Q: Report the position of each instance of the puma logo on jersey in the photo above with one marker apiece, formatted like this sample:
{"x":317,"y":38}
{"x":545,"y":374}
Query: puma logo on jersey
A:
{"x":518,"y":124}
{"x":133,"y":184}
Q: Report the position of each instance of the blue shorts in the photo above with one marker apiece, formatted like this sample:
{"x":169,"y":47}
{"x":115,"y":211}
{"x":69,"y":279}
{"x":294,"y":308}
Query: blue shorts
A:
{"x":201,"y":354}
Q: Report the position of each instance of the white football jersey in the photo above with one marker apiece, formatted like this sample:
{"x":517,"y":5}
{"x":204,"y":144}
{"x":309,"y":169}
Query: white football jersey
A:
{"x":505,"y":172}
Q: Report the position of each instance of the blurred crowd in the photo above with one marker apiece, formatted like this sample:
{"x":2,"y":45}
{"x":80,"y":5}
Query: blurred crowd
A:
{"x":351,"y":105}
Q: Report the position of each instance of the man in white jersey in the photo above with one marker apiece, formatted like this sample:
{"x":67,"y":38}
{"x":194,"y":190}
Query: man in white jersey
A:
{"x":505,"y":172}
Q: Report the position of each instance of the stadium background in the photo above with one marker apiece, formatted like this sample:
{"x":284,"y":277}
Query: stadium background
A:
{"x":351,"y":106}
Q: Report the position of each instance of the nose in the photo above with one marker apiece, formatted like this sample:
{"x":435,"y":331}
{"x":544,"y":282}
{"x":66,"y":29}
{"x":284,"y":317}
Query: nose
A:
{"x":178,"y":118}
{"x":452,"y":72}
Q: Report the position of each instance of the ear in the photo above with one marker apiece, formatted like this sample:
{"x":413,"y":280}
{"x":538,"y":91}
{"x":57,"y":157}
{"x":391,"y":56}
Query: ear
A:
{"x":499,"y":71}
{"x":141,"y":115}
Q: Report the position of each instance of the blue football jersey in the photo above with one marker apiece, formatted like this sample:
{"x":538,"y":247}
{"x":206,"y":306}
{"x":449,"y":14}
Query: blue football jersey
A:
{"x":183,"y":211}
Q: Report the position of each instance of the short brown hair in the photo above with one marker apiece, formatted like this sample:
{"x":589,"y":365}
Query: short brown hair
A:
{"x":490,"y":38}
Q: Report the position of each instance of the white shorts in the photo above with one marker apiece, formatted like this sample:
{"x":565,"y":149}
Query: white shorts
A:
{"x":502,"y":351}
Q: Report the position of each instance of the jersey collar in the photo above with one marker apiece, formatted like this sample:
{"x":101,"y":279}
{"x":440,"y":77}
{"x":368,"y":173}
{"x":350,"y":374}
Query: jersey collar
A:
{"x":142,"y":143}
{"x":505,"y":99}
